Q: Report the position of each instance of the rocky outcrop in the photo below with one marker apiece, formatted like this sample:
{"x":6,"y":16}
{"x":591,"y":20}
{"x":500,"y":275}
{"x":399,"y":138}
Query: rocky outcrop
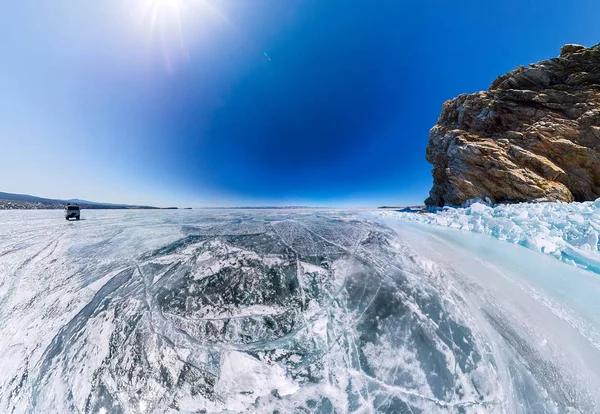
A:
{"x":535,"y":134}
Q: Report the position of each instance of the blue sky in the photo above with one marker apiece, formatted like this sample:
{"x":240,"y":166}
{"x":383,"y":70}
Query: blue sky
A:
{"x":204,"y":103}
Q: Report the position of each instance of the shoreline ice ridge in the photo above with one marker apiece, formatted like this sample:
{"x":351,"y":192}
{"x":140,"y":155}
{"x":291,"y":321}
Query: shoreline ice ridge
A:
{"x":570,"y":232}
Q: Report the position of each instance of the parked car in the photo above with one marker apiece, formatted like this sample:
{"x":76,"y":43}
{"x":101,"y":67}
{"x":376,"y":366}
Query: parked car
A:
{"x":72,"y":211}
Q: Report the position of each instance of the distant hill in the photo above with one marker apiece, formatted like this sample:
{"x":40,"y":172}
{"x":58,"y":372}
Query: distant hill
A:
{"x":26,"y":197}
{"x":80,"y":201}
{"x":407,"y":209}
{"x":11,"y":201}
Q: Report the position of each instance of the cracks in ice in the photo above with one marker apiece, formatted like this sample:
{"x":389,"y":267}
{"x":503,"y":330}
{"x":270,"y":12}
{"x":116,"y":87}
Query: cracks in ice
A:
{"x":440,"y":403}
{"x":333,"y":277}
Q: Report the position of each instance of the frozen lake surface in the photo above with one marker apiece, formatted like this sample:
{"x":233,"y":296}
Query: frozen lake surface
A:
{"x":287,"y":311}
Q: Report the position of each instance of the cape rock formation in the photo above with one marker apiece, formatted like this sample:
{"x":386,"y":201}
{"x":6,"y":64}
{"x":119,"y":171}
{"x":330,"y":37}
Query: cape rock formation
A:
{"x":534,"y":135}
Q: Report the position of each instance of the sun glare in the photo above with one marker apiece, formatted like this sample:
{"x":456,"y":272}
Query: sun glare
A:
{"x":164,"y":9}
{"x":170,"y":23}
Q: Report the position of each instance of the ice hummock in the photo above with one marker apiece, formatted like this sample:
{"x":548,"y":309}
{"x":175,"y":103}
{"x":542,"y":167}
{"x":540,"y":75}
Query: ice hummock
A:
{"x":566,"y":231}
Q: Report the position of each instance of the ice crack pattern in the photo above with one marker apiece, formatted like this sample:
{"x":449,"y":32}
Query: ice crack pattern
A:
{"x":260,"y":311}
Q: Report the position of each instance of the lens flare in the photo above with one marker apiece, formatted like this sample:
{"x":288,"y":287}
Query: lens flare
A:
{"x":168,"y":21}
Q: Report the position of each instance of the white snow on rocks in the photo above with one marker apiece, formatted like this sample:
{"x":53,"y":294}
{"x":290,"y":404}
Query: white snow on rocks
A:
{"x":566,"y":231}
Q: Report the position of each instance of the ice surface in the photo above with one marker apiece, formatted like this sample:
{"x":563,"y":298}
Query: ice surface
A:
{"x":566,"y":231}
{"x":288,"y":311}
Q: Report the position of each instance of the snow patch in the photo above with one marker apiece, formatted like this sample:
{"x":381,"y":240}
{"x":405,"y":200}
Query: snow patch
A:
{"x":244,"y":378}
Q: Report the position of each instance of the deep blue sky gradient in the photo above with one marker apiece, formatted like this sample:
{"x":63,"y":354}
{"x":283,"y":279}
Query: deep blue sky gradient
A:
{"x":337,"y":114}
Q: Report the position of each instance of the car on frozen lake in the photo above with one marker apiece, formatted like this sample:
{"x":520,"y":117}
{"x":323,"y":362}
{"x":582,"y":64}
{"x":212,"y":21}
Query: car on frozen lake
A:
{"x":72,"y":211}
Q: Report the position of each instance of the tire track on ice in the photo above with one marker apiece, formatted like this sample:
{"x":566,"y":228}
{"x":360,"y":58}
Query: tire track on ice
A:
{"x":13,"y":281}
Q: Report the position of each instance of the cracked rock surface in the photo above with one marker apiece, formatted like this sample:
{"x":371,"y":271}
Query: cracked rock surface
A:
{"x":535,"y":134}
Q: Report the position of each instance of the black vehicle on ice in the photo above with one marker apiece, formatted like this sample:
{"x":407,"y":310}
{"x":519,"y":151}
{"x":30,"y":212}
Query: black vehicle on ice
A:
{"x":72,"y":211}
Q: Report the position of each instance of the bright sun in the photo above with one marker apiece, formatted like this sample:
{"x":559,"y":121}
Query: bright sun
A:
{"x":160,"y":9}
{"x":163,"y":12}
{"x":172,"y":23}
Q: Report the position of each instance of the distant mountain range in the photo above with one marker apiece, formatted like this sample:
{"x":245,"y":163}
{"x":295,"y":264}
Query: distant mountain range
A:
{"x":10,"y":201}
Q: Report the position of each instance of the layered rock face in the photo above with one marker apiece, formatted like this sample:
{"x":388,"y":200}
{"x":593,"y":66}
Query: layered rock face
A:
{"x":534,"y":135}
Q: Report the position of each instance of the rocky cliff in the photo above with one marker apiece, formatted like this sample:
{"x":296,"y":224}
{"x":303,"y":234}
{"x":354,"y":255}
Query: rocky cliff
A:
{"x":535,"y":134}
